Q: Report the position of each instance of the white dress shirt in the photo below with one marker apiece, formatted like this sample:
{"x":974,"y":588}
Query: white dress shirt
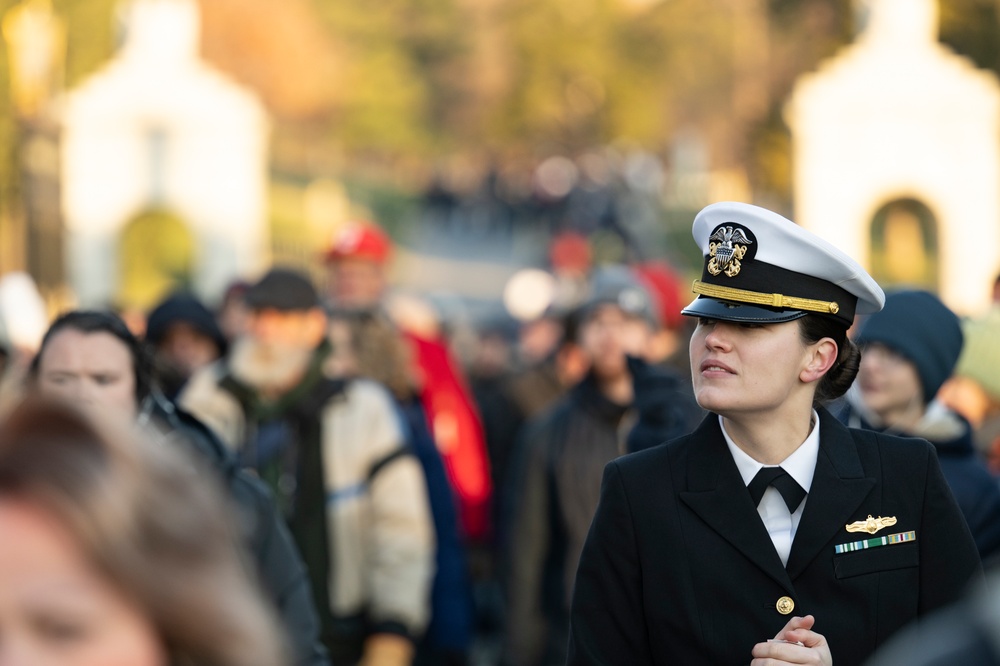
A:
{"x":800,"y":465}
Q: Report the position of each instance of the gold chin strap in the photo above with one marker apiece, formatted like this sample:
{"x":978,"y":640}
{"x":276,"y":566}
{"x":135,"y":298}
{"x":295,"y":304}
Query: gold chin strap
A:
{"x":758,"y":298}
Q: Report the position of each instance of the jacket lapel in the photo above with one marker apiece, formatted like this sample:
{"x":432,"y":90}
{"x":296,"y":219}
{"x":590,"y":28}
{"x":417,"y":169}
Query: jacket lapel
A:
{"x":838,"y":488}
{"x":716,"y":493}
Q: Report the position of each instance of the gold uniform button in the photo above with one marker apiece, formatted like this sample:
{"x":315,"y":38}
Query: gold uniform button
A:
{"x":785,"y":605}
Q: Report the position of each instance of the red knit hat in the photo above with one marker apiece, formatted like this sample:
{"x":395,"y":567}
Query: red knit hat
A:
{"x":359,"y":240}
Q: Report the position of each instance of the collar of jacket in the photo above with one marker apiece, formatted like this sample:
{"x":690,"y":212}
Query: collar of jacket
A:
{"x":308,"y":395}
{"x":716,"y":492}
{"x":943,"y":427}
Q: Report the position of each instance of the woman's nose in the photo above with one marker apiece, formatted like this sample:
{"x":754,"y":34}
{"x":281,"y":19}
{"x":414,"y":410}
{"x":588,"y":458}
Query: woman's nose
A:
{"x":716,"y":338}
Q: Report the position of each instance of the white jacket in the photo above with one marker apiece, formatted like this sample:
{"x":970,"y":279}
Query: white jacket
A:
{"x":381,"y":534}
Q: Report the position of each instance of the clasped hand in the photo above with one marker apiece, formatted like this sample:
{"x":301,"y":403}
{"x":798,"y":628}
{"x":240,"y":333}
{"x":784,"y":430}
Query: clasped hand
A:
{"x":796,"y":643}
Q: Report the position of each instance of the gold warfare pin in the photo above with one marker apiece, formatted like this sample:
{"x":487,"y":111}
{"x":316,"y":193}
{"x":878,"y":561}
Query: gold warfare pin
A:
{"x":871,"y":525}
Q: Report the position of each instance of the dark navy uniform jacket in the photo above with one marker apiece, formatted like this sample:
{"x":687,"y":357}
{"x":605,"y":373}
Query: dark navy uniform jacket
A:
{"x":678,"y":567}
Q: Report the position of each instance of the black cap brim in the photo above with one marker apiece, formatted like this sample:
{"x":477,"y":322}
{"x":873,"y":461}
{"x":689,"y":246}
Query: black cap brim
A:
{"x":712,"y":308}
{"x":282,"y":289}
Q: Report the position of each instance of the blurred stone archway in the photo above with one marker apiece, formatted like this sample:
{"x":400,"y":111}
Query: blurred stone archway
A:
{"x":903,"y":247}
{"x":156,"y":255}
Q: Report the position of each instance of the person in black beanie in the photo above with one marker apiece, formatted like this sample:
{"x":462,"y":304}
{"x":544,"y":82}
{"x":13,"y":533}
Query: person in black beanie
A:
{"x":909,"y":350}
{"x":184,"y":337}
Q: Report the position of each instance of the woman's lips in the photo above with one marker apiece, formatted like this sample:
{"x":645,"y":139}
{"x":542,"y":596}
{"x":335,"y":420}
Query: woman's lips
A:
{"x":716,"y":367}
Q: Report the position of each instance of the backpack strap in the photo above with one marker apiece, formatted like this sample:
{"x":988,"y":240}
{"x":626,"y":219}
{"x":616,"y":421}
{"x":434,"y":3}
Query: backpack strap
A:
{"x":385,"y":461}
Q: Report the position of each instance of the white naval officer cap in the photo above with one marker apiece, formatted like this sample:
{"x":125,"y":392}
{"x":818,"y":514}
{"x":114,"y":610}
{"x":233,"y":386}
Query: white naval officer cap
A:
{"x":761,"y":267}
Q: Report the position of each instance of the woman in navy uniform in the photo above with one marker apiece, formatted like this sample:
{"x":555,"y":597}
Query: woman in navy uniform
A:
{"x":771,"y":531}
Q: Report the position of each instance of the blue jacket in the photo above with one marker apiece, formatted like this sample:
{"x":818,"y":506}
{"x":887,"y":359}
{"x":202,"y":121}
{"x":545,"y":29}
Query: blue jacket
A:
{"x":451,"y":624}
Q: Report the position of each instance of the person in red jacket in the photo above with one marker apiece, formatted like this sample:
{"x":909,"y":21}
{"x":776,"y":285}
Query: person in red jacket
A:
{"x":357,"y":261}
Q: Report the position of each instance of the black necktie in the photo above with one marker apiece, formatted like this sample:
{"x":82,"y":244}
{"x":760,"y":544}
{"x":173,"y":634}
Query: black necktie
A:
{"x":791,"y":492}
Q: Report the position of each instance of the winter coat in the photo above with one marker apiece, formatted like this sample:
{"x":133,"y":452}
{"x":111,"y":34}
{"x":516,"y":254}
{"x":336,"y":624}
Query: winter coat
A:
{"x":455,"y":424}
{"x":556,"y":487}
{"x":279,"y":567}
{"x":379,"y":543}
{"x":451,"y":621}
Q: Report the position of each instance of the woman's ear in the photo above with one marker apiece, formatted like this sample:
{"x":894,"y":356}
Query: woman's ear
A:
{"x":821,"y":355}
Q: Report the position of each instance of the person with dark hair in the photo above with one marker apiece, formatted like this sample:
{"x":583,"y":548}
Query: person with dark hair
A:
{"x":556,"y":471}
{"x":771,"y":533}
{"x":184,"y":338}
{"x":114,"y":553}
{"x":91,"y":359}
{"x":904,"y":364}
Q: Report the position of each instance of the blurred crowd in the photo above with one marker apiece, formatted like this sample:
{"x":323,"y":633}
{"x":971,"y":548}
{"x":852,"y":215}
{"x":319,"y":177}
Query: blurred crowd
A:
{"x":318,"y":453}
{"x":604,"y":193}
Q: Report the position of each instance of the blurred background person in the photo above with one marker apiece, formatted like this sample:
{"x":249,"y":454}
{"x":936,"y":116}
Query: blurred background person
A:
{"x":974,"y":390}
{"x":93,"y":361}
{"x":335,"y":454}
{"x":538,"y":337}
{"x":115,"y":555}
{"x":511,"y":387}
{"x":493,"y":362}
{"x":669,"y":343}
{"x":185,"y":338}
{"x":448,"y":639}
{"x":233,"y":314}
{"x":557,"y":477}
{"x":661,"y":376}
{"x":909,"y":349}
{"x":356,"y":264}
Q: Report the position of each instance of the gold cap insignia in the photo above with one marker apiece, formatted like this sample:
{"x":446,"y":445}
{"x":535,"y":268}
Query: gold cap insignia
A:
{"x":726,"y":247}
{"x":871,"y":525}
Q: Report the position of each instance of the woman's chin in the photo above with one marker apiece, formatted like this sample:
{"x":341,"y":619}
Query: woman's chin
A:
{"x":712,"y":400}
